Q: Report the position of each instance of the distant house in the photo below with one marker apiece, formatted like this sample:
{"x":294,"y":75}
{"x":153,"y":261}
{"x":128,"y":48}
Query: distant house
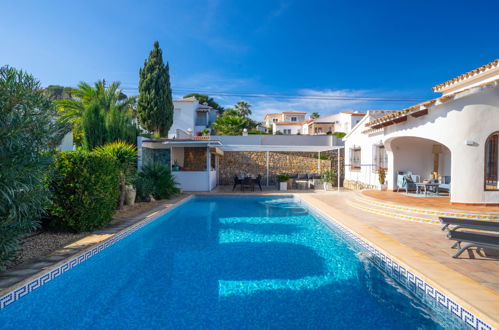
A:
{"x":188,"y":114}
{"x":288,"y":122}
{"x":294,"y":122}
{"x":338,"y":122}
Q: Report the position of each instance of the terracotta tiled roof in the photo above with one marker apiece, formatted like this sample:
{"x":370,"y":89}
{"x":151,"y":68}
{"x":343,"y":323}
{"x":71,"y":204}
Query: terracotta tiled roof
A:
{"x":467,"y":75}
{"x":354,"y":113}
{"x":189,"y":99}
{"x":418,"y":107}
{"x":287,"y":123}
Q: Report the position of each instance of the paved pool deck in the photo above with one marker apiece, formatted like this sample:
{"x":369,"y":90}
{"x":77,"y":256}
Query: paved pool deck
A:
{"x":424,"y":249}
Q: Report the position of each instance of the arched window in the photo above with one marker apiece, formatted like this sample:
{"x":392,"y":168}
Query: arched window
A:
{"x":491,"y":162}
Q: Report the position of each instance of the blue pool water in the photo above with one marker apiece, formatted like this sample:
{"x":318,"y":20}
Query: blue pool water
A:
{"x":226,"y":263}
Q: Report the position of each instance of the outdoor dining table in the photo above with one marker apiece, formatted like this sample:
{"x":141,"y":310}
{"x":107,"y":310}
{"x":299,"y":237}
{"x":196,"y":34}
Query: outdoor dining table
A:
{"x":426,"y":187}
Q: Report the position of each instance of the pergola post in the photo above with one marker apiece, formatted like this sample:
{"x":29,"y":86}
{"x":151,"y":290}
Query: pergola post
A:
{"x":208,"y":166}
{"x":319,"y":162}
{"x":267,"y":164}
{"x":338,"y":176}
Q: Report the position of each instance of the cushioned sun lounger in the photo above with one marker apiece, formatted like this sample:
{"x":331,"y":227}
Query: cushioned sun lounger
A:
{"x":474,"y":239}
{"x":470,"y":224}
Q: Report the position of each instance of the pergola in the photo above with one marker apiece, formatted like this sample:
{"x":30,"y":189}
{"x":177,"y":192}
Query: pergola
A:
{"x":287,"y":148}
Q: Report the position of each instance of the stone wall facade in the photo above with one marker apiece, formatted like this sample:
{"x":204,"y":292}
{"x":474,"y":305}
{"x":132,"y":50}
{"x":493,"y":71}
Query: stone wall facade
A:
{"x":357,"y":185}
{"x":255,"y":163}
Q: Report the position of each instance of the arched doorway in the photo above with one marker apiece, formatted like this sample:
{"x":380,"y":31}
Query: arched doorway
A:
{"x":427,"y":159}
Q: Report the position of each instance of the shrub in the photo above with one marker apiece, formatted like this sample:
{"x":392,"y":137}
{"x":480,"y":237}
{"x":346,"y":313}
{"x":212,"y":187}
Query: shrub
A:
{"x":381,"y":175}
{"x":329,"y":176}
{"x":157,"y":180}
{"x":126,"y":156}
{"x":340,"y":135}
{"x":283,"y":178}
{"x":28,"y":137}
{"x":85,"y":189}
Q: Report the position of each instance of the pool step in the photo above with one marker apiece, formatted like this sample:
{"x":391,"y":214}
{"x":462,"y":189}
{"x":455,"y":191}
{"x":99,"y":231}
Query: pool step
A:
{"x":399,"y":215}
{"x":425,"y":213}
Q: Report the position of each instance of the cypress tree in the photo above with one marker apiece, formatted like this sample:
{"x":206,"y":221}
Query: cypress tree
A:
{"x":155,"y":104}
{"x":94,"y":128}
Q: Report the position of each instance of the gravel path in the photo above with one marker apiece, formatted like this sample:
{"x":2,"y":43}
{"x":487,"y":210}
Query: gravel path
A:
{"x":46,"y":242}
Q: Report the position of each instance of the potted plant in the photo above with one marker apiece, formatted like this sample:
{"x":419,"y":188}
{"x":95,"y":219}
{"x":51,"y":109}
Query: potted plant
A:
{"x":205,"y":132}
{"x":175,"y":166}
{"x":328,"y":177}
{"x":283,"y":181}
{"x":130,"y":194}
{"x":382,"y":179}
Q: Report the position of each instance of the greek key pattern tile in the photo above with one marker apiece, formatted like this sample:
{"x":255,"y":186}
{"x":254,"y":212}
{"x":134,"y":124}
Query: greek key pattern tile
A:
{"x":20,"y":292}
{"x":404,"y":276}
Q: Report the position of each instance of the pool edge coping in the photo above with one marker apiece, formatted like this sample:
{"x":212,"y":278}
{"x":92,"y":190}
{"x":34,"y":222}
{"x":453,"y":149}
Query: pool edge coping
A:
{"x":426,"y":282}
{"x":20,"y":289}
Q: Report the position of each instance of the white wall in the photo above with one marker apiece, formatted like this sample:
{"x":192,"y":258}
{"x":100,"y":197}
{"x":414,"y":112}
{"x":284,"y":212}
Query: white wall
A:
{"x":193,"y":180}
{"x":471,"y":117}
{"x":67,"y":142}
{"x":295,"y":129}
{"x":183,"y":116}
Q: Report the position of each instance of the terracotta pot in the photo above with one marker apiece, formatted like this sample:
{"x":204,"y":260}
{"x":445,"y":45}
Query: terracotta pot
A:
{"x":130,"y":194}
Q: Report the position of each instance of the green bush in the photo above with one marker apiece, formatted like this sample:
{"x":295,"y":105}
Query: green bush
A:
{"x":126,"y":156}
{"x":283,"y":178}
{"x":85,"y":188}
{"x":28,"y":137}
{"x":157,"y":180}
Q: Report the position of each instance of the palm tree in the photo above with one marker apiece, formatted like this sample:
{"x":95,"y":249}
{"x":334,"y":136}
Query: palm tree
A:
{"x":243,"y":108}
{"x":108,"y":99}
{"x":314,"y":115}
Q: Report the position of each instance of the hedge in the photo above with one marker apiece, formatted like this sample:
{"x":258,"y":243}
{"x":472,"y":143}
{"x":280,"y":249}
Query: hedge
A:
{"x":85,"y":189}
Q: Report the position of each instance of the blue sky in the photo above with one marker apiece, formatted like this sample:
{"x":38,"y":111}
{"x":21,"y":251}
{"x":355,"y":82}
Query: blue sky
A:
{"x":390,"y":49}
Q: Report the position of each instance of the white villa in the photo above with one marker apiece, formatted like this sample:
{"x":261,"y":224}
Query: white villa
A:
{"x":288,"y":122}
{"x":188,"y":113}
{"x":452,"y":138}
{"x":294,"y":122}
{"x":338,"y":122}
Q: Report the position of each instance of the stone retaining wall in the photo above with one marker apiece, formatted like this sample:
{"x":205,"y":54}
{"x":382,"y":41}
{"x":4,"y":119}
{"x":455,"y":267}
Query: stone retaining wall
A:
{"x":255,"y":162}
{"x":357,"y":185}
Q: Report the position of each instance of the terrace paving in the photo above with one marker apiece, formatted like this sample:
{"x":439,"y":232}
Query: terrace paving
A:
{"x":425,"y":238}
{"x":472,"y":280}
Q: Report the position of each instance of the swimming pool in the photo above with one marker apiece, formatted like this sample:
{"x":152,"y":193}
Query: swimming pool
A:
{"x":228,"y":263}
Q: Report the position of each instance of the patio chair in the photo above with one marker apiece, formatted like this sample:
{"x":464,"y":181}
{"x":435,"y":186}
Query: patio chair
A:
{"x":257,"y":181}
{"x":236,"y":182}
{"x":302,"y":181}
{"x":444,"y":183}
{"x":407,"y":181}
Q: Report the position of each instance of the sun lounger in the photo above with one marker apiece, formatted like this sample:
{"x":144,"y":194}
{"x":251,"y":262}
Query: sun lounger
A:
{"x":480,"y":239}
{"x":474,"y":239}
{"x":469,"y":224}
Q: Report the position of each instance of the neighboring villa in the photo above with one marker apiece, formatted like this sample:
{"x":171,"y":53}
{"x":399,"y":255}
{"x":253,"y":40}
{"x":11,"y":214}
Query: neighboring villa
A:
{"x":452,"y":138}
{"x":288,"y":122}
{"x":188,"y":114}
{"x":294,"y":122}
